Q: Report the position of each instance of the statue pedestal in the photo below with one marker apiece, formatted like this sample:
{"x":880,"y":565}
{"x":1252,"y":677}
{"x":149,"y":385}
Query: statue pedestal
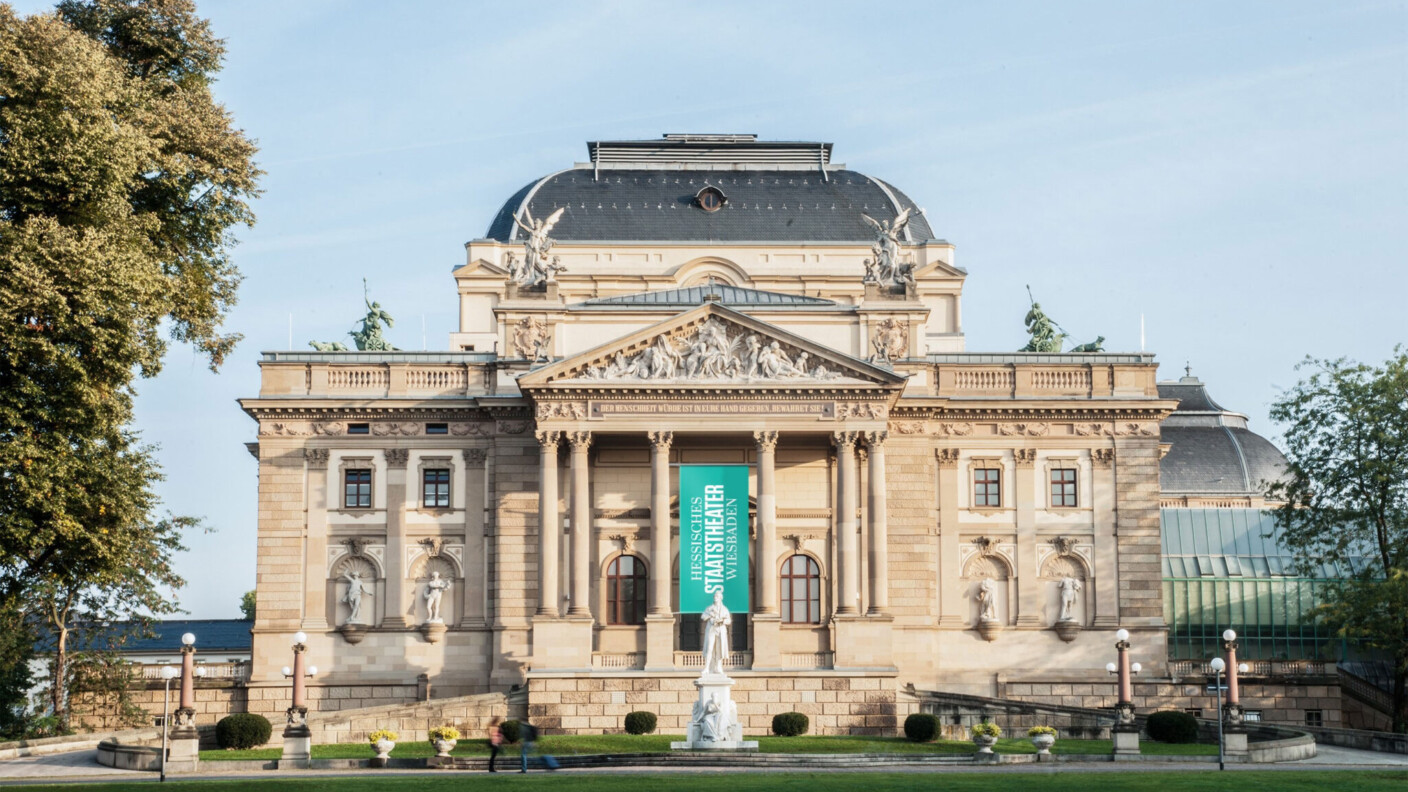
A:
{"x":183,"y":749}
{"x":1234,"y":743}
{"x":714,"y":725}
{"x":1126,"y":740}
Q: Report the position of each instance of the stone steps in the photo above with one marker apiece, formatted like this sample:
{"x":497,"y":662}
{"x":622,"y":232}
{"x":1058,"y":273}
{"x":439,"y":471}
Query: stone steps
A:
{"x":510,"y":760}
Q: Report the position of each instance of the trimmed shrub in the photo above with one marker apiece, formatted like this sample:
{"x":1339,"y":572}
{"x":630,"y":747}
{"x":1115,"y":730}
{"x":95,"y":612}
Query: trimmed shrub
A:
{"x":1172,"y":726}
{"x":640,"y":723}
{"x":511,"y":730}
{"x":921,"y":727}
{"x":790,"y":724}
{"x":242,"y":730}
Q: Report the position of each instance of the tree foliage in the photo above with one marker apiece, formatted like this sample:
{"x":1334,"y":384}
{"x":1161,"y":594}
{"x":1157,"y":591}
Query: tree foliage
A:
{"x":121,"y":181}
{"x":1346,"y":498}
{"x":247,"y":605}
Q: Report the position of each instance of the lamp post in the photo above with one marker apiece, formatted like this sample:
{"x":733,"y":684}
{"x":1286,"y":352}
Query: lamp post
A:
{"x":1125,"y":732}
{"x":167,"y":674}
{"x":184,"y":740}
{"x":1231,"y":734}
{"x":298,"y":739}
{"x":1218,"y":666}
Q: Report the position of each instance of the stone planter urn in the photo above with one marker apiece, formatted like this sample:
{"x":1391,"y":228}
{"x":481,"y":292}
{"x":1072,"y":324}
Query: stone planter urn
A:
{"x":1043,"y":743}
{"x":984,"y":743}
{"x":353,"y":633}
{"x":383,"y":749}
{"x":443,"y":747}
{"x":1067,"y":630}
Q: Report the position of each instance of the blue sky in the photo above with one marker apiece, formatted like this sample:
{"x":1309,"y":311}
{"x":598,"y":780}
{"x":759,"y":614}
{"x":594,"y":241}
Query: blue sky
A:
{"x":1236,"y":172}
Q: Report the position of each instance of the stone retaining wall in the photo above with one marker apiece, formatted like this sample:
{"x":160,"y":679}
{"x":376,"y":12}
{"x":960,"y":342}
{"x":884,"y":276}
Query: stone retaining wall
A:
{"x":836,"y":703}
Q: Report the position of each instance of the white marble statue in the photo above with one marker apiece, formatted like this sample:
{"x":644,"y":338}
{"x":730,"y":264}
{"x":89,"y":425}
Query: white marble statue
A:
{"x":536,"y":267}
{"x":987,"y":601}
{"x":717,"y":621}
{"x":1070,"y":587}
{"x":356,"y":589}
{"x":434,"y":590}
{"x":885,"y":267}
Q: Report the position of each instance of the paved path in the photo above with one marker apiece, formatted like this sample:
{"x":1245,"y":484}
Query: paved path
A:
{"x":83,"y":765}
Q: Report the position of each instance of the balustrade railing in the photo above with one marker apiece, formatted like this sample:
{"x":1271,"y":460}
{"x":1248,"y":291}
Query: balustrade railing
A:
{"x":807,"y":660}
{"x":1256,"y":668}
{"x":619,"y":660}
{"x":696,"y":660}
{"x":236,"y":672}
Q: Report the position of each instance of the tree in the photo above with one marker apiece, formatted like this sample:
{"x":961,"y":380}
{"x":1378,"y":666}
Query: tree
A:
{"x":121,"y":180}
{"x":247,"y":605}
{"x":1346,"y":498}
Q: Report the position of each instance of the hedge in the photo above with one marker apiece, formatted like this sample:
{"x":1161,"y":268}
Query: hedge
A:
{"x":640,"y":723}
{"x":921,"y":727}
{"x":511,"y":730}
{"x":790,"y":724}
{"x":243,"y":730}
{"x":1172,"y":726}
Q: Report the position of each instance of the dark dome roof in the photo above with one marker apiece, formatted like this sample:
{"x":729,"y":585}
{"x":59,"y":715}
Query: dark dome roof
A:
{"x":1213,"y":452}
{"x":646,"y":191}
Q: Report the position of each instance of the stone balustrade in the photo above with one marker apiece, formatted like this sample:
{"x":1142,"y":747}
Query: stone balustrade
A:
{"x":383,"y":374}
{"x":1032,"y":375}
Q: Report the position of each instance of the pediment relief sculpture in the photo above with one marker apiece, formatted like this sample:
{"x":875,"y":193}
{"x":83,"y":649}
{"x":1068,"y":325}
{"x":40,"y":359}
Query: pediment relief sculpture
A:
{"x":713,"y":351}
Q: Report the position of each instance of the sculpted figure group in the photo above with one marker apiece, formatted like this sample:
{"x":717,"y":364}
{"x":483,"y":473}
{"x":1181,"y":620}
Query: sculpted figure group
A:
{"x":711,"y":355}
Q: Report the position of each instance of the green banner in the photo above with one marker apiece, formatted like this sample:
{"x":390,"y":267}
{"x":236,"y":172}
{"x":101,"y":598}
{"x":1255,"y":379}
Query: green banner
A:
{"x":713,"y":536}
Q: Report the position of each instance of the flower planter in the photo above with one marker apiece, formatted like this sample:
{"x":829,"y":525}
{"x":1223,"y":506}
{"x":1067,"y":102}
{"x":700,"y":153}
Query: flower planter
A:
{"x":1043,"y":743}
{"x":984,"y":743}
{"x":383,"y":749}
{"x":443,"y":747}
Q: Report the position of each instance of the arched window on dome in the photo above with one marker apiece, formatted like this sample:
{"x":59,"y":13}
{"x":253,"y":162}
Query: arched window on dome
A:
{"x":625,"y":590}
{"x":801,"y":590}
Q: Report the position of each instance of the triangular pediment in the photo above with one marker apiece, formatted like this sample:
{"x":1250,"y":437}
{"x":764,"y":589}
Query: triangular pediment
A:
{"x":480,"y":267}
{"x":712,"y":345}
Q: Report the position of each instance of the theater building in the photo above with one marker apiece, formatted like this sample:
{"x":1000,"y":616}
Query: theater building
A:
{"x":504,"y":515}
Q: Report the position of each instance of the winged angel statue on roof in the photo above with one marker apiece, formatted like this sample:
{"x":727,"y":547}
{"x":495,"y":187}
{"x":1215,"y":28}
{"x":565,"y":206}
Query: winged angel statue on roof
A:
{"x":535,"y":268}
{"x":885,"y":268}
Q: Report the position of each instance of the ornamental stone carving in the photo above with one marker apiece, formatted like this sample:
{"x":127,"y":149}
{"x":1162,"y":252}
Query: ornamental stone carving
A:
{"x":330,"y":428}
{"x":863,"y":410}
{"x":397,"y":457}
{"x":947,"y":457}
{"x":548,"y":438}
{"x":574,"y":411}
{"x":767,"y":441}
{"x":512,"y":427}
{"x":1027,"y":429}
{"x":466,"y":429}
{"x":711,"y":351}
{"x":476,"y":457}
{"x":628,"y":542}
{"x":890,"y":341}
{"x":960,"y":429}
{"x":530,"y":338}
{"x":1024,"y":457}
{"x":285,"y":428}
{"x":580,"y":441}
{"x":908,"y":427}
{"x":661,"y":439}
{"x":317,"y":458}
{"x":1103,"y":457}
{"x":395,"y":428}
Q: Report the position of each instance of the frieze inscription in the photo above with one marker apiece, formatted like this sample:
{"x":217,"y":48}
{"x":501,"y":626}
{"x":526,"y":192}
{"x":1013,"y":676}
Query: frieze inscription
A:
{"x":818,"y":409}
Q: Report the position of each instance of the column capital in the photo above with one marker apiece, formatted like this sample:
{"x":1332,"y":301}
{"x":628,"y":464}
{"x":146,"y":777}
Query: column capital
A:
{"x":1104,"y":457}
{"x":661,"y":440}
{"x":845,"y":440}
{"x":876,"y":439}
{"x":767,"y":441}
{"x":580,"y":441}
{"x":397,"y":457}
{"x":947,"y":457}
{"x":475,"y":457}
{"x":317,"y":458}
{"x":548,"y":438}
{"x":1025,"y":457}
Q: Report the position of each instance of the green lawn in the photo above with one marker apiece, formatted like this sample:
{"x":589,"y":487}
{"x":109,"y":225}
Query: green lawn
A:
{"x":567,"y":781}
{"x":660,"y":743}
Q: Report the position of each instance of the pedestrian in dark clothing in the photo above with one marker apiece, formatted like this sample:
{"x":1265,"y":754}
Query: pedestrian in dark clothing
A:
{"x":529,"y":736}
{"x":496,"y":741}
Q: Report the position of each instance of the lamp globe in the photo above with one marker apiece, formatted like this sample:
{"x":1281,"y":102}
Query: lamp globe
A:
{"x":1218,"y":665}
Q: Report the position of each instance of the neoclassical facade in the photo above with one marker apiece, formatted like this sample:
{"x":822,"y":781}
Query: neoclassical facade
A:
{"x":503,"y":515}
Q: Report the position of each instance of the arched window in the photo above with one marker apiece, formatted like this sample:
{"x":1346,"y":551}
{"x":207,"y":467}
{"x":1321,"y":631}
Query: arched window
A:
{"x":625,"y":591}
{"x":801,"y":591}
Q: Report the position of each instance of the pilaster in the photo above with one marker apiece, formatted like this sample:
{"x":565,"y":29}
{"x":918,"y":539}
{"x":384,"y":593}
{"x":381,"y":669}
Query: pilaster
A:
{"x":316,"y":541}
{"x":951,"y":601}
{"x":396,"y":605}
{"x":1028,"y":603}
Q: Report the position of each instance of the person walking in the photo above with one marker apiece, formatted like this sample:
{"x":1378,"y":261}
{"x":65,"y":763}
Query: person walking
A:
{"x":496,"y":741}
{"x":527,"y":735}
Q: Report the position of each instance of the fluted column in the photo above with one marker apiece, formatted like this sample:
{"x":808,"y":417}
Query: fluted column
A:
{"x":549,"y":530}
{"x":660,"y":523}
{"x":766,"y":548}
{"x":581,"y":523}
{"x":879,"y":527}
{"x":846,"y":550}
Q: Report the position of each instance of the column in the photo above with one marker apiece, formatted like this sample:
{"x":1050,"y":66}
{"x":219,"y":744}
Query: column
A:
{"x":549,"y":531}
{"x":1028,"y":601}
{"x":476,"y":542}
{"x":581,"y":525}
{"x":846,"y":550}
{"x":660,"y":622}
{"x":316,"y":556}
{"x":951,"y":599}
{"x":879,"y":528}
{"x":396,"y":459}
{"x":766,"y":546}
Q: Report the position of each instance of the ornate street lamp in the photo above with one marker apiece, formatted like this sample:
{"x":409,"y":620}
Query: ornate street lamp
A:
{"x":298,"y":739}
{"x":1125,"y":731}
{"x":167,"y":674}
{"x":1231,"y":736}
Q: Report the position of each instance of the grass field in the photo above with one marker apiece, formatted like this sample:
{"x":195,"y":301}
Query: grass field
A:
{"x":567,"y":781}
{"x":659,"y":743}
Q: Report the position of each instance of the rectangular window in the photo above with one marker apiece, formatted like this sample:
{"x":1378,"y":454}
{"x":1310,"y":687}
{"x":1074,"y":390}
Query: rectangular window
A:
{"x":1063,"y":488}
{"x":357,"y":490}
{"x":435,"y":488}
{"x":1314,"y":718}
{"x":437,"y":428}
{"x":987,"y":487}
{"x":1251,"y":716}
{"x":359,"y":428}
{"x":1196,"y":712}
